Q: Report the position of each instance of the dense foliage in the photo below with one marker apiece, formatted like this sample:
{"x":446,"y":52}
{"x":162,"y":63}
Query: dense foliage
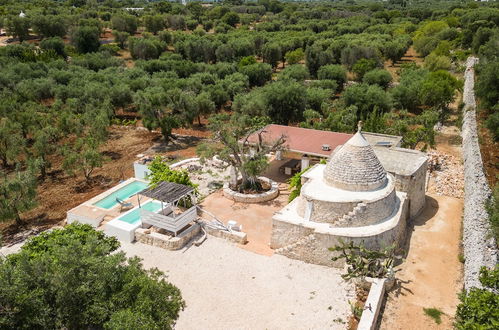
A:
{"x":69,"y":278}
{"x":160,"y":171}
{"x":479,"y":308}
{"x":169,"y":65}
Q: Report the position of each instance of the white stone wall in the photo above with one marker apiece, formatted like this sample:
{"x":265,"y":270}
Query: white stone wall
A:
{"x":314,"y":248}
{"x":415,"y":187}
{"x":478,"y":244}
{"x":253,"y":198}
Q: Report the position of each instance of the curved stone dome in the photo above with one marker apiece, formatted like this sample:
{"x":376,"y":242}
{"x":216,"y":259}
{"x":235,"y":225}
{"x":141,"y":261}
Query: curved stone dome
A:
{"x":355,"y":167}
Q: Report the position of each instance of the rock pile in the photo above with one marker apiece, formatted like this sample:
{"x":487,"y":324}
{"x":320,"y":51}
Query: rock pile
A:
{"x":446,"y":174}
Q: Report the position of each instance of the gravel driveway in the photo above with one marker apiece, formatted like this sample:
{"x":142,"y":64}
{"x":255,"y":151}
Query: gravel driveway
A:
{"x":226,"y":287}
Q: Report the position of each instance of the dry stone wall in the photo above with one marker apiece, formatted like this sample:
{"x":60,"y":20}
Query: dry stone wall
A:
{"x":479,"y":247}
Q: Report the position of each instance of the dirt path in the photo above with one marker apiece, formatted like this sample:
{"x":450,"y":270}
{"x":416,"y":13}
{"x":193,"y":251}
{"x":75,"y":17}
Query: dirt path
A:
{"x":430,"y":277}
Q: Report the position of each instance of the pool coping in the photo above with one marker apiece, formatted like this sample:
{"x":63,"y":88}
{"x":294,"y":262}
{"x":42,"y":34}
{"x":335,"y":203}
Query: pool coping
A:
{"x":108,"y":192}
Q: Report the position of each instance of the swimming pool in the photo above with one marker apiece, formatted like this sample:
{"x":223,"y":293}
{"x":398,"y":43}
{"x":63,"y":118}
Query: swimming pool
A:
{"x":123,"y":193}
{"x":134,"y":215}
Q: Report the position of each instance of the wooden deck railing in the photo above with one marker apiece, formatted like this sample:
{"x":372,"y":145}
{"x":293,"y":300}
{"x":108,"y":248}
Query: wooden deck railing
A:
{"x":166,"y":222}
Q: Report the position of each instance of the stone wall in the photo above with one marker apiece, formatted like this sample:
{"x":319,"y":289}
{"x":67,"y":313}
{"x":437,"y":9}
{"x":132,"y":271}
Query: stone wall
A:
{"x":146,"y":236}
{"x":415,"y":187}
{"x":478,"y":245}
{"x":253,"y":198}
{"x":232,"y":236}
{"x":305,"y":241}
{"x":373,"y":211}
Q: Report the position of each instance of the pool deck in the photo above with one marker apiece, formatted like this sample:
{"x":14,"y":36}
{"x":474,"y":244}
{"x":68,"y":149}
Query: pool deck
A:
{"x":97,"y":216}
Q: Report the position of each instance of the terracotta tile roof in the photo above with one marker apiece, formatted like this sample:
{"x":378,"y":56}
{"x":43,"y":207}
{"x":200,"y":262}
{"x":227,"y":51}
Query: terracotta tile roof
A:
{"x":303,"y":140}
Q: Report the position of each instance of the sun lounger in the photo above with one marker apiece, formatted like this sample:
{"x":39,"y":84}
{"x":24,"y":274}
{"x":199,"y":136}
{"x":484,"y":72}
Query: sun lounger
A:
{"x":124,"y":205}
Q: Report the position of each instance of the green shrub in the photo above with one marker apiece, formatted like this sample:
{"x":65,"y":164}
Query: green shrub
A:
{"x":378,"y":77}
{"x":69,"y":279}
{"x":493,"y":211}
{"x":479,"y":308}
{"x":47,"y":241}
{"x":160,"y":171}
{"x":295,"y":185}
{"x":112,"y":49}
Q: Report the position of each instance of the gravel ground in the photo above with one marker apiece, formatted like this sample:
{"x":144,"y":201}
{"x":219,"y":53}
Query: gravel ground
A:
{"x":226,"y":287}
{"x":446,"y":172}
{"x":209,"y":176}
{"x":479,"y":246}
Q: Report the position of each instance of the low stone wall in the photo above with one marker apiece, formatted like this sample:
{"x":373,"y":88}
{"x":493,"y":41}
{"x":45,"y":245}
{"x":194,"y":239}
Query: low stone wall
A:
{"x":478,"y":245}
{"x":183,"y":162}
{"x":374,"y":301}
{"x":232,"y":236}
{"x":167,"y":242}
{"x":253,"y":198}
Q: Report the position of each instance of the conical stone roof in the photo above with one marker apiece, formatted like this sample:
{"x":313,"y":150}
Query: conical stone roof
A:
{"x":355,"y":167}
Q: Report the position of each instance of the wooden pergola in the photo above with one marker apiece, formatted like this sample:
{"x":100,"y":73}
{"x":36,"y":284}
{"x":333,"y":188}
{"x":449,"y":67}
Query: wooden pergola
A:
{"x":169,"y":194}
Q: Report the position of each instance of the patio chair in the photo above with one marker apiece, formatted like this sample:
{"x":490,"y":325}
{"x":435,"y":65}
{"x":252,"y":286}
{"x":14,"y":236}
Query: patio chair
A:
{"x":124,"y":205}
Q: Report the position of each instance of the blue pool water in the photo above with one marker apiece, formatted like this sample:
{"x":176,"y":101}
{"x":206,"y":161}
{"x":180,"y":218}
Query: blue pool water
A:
{"x":123,"y":193}
{"x":134,"y":215}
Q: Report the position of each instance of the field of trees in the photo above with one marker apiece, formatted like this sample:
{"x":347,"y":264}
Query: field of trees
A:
{"x":71,"y":69}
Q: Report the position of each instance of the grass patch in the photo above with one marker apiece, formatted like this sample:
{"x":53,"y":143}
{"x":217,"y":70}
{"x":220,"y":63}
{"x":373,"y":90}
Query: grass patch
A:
{"x":434,"y":313}
{"x":461,"y":258}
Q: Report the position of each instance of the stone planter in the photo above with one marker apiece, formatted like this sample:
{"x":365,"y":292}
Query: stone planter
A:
{"x":253,"y":198}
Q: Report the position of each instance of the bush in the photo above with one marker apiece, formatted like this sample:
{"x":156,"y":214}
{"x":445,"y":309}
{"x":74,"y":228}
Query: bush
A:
{"x":296,"y":71}
{"x":145,"y":48}
{"x":112,"y":49}
{"x":231,"y":18}
{"x":479,"y":308}
{"x":160,"y":171}
{"x":333,"y":72}
{"x":362,"y":66}
{"x":493,"y":210}
{"x":434,"y":62}
{"x":56,"y":44}
{"x":49,"y":241}
{"x":70,"y":278}
{"x":258,"y":73}
{"x":86,"y":39}
{"x":378,"y":77}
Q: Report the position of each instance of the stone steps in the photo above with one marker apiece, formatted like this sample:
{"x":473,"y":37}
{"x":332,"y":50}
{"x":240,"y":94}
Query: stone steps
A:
{"x":359,"y":208}
{"x":291,"y":246}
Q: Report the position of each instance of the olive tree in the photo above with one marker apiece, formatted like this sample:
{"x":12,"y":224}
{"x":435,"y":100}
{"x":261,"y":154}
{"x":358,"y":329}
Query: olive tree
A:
{"x":17,"y":194}
{"x":83,"y":156}
{"x":249,"y":158}
{"x":86,"y":39}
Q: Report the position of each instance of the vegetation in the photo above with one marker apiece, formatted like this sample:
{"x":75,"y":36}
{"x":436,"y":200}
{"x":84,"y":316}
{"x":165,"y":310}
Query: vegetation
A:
{"x":289,"y":62}
{"x":434,"y":313}
{"x":160,"y":171}
{"x":363,"y":262}
{"x":493,"y":211}
{"x":233,"y":146}
{"x":479,"y":307}
{"x":74,"y":278}
{"x":295,"y":185}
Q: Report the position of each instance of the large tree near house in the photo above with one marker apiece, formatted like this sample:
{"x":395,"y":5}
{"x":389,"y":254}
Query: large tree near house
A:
{"x":231,"y":135}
